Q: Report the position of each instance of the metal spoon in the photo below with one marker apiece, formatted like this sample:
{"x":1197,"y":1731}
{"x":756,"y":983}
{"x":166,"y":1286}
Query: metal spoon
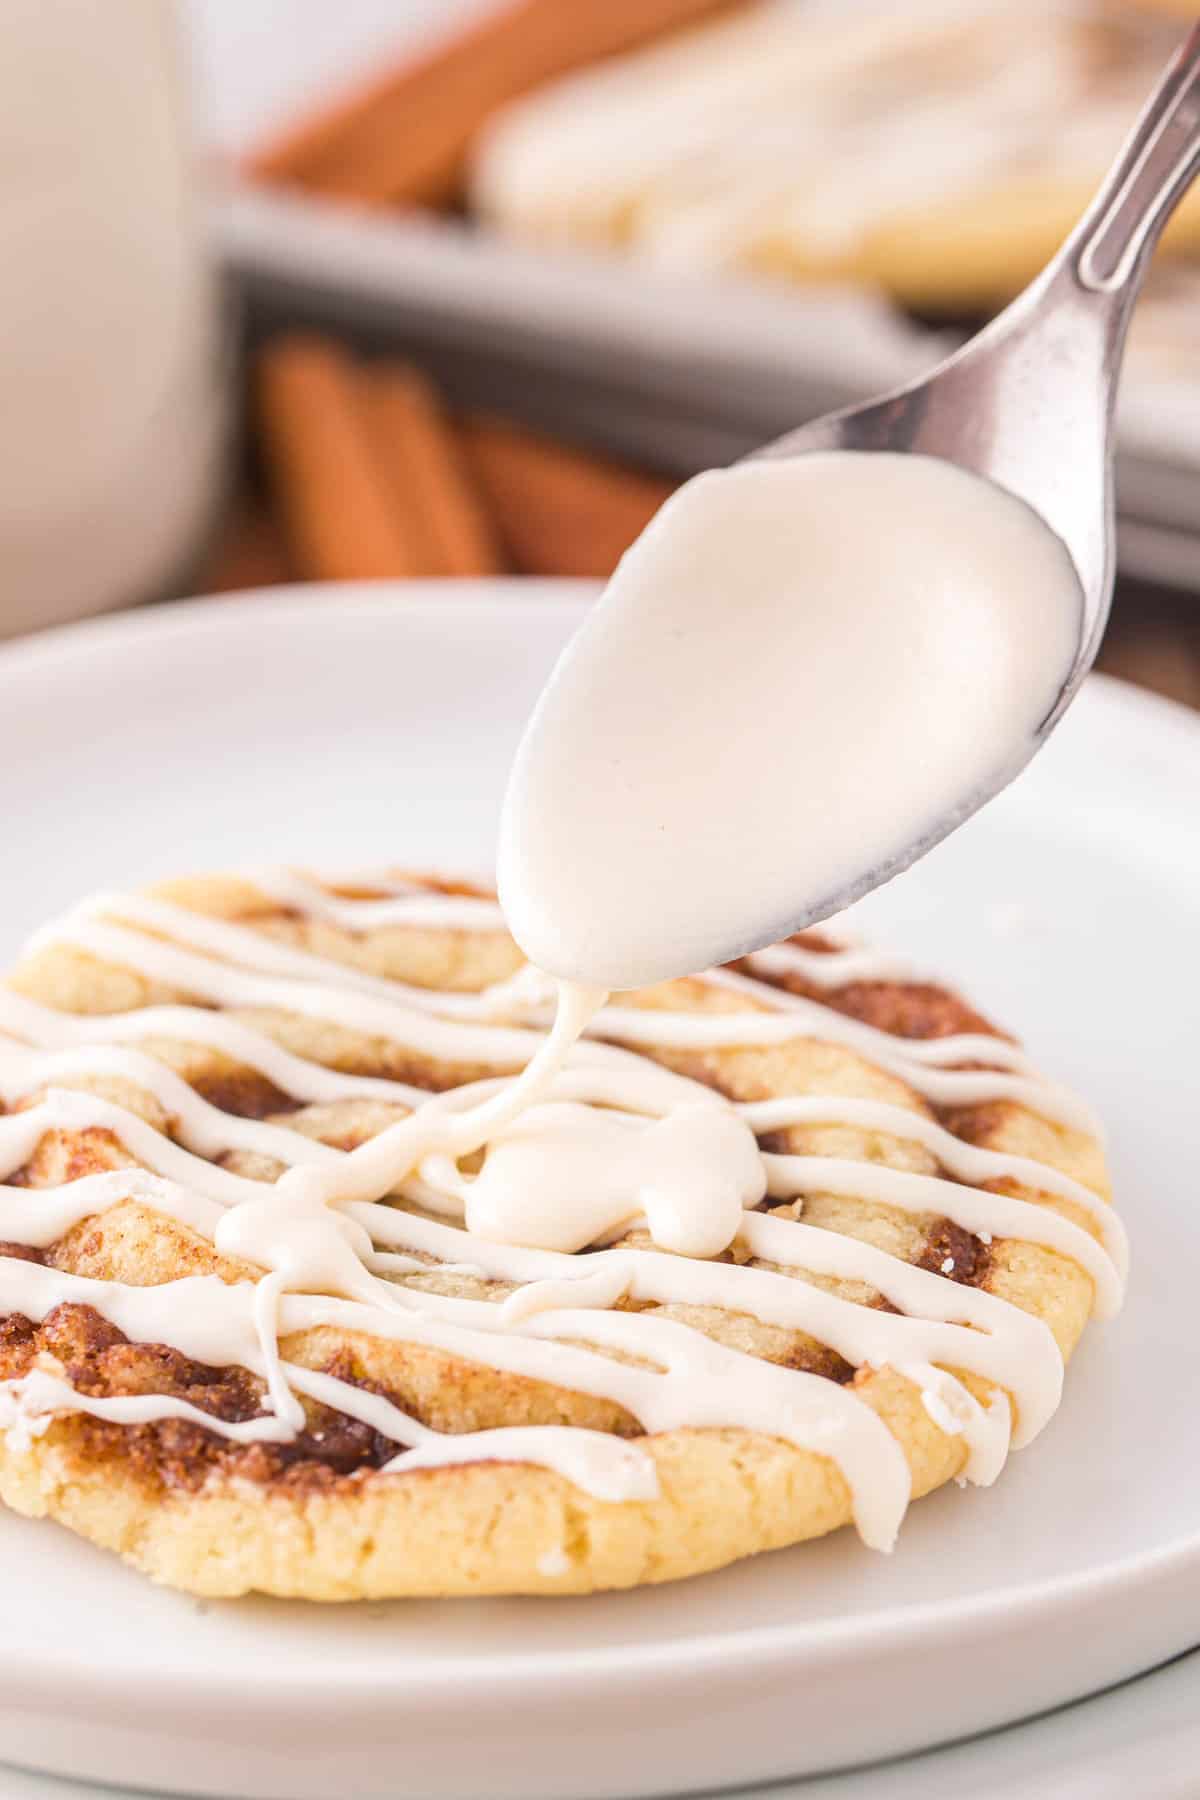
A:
{"x":1029,"y":401}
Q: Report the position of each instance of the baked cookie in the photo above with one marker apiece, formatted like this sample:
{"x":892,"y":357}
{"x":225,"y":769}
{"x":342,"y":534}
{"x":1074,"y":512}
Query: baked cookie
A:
{"x":1167,"y":9}
{"x":401,"y":1406}
{"x":938,"y":153}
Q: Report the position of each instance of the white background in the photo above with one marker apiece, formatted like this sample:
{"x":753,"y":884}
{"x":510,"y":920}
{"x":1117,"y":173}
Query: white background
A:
{"x":257,"y":61}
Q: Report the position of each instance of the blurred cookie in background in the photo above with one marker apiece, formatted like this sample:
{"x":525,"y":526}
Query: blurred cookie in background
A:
{"x":936,"y":152}
{"x":1169,"y":9}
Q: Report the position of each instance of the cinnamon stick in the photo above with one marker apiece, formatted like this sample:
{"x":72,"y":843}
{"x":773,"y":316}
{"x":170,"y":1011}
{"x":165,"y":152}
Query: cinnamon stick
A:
{"x":404,"y":138}
{"x":444,"y":518}
{"x":248,"y":552}
{"x":559,"y":511}
{"x":1158,"y":656}
{"x":334,"y":497}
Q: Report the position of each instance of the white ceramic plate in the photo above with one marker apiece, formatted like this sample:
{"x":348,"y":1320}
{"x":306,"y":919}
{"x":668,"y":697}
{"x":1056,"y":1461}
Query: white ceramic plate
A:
{"x":351,"y":726}
{"x":1140,"y":1739}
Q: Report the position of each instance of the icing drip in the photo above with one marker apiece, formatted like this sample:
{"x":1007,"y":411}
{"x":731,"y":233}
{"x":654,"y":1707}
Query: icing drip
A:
{"x":692,"y":1174}
{"x":589,"y":1140}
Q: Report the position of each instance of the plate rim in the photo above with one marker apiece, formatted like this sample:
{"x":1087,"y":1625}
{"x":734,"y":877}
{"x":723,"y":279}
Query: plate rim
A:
{"x":432,"y":594}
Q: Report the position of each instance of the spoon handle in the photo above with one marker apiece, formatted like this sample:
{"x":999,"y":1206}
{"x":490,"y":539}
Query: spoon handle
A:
{"x":1109,"y":248}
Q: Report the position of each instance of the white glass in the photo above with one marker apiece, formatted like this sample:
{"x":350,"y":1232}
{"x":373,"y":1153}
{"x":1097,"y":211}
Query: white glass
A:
{"x":110,"y":399}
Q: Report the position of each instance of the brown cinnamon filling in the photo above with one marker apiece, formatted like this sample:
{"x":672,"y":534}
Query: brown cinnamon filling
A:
{"x":22,"y":1252}
{"x":429,"y":884}
{"x":98,"y":1360}
{"x":956,"y":1253}
{"x":917,"y":1010}
{"x":821,"y":1360}
{"x":902,"y":1009}
{"x":245,"y":1094}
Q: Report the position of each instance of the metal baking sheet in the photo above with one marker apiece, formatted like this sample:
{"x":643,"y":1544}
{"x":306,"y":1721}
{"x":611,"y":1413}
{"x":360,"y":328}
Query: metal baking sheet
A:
{"x":679,"y":372}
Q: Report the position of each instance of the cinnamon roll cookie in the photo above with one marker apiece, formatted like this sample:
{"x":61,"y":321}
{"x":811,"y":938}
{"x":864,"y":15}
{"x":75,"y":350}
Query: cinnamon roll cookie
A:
{"x":306,"y":1288}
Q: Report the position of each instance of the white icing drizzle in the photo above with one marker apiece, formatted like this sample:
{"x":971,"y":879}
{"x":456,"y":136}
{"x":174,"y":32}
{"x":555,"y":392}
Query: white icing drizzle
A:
{"x":830,"y":968}
{"x":28,"y":1405}
{"x":38,"y":1217}
{"x":609,"y":1169}
{"x":946,"y":1319}
{"x":393,"y":1010}
{"x":233,"y":943}
{"x":918,"y":1063}
{"x":407,"y":903}
{"x":968,"y":1207}
{"x":588,"y":1141}
{"x":199,"y":1126}
{"x":943,"y":1052}
{"x":254,"y":1050}
{"x":967,"y":1161}
{"x":61,"y":1109}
